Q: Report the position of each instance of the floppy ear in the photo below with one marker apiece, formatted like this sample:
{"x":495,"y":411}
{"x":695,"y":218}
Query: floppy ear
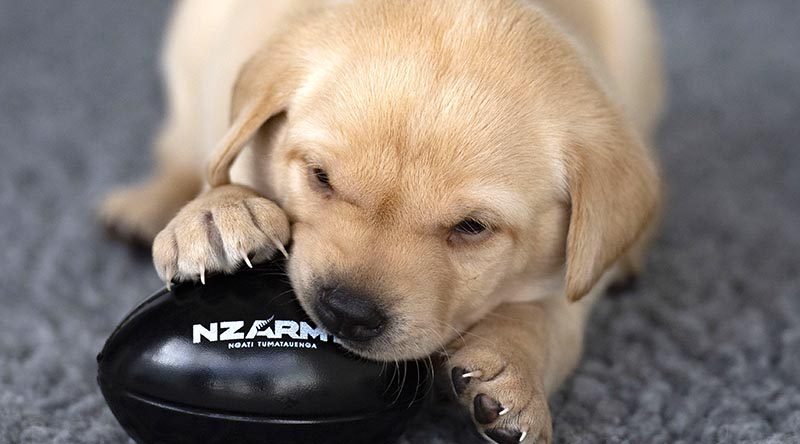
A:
{"x":615,"y":192}
{"x":263,"y":89}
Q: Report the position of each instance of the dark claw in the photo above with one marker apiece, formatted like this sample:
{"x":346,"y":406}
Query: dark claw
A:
{"x":459,"y":381}
{"x":487,"y":410}
{"x":626,"y":285}
{"x":140,"y":247}
{"x":504,"y":436}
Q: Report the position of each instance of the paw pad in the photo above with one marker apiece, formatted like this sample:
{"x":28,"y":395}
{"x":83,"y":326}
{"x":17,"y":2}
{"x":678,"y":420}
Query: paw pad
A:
{"x":487,"y":410}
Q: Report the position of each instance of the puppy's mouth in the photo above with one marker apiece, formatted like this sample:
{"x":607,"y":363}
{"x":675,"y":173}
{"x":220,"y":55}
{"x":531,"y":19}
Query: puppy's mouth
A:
{"x":378,"y":336}
{"x":390,"y":348}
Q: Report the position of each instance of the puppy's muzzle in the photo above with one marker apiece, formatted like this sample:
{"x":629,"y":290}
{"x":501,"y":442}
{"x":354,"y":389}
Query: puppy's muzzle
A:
{"x":349,"y":315}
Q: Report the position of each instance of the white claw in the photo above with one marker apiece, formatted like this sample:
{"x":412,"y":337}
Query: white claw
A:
{"x":475,"y":374}
{"x":247,"y":260}
{"x":281,"y":248}
{"x":168,"y":278}
{"x":504,"y":411}
{"x":203,"y":276}
{"x":523,"y":436}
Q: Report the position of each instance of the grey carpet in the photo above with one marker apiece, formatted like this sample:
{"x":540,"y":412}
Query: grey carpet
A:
{"x":707,"y":349}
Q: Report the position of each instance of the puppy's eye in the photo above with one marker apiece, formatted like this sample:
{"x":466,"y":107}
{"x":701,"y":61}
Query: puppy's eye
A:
{"x":319,"y":179}
{"x":468,"y":230}
{"x":470,"y":227}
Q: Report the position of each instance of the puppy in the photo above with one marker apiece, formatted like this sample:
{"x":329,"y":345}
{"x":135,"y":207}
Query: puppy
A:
{"x":462,"y":177}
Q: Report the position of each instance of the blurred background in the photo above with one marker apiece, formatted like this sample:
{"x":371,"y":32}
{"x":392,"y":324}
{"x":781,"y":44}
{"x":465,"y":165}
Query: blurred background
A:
{"x":705,"y":349}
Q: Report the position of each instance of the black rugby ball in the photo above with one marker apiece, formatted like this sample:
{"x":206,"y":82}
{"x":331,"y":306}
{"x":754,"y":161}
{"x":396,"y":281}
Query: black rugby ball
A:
{"x":238,"y":361}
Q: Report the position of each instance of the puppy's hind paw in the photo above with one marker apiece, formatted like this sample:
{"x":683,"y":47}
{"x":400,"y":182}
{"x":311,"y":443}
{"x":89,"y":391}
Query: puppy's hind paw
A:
{"x":137,"y":213}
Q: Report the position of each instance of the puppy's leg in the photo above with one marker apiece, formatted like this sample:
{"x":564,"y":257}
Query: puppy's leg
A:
{"x":216,"y":232}
{"x":506,"y":366}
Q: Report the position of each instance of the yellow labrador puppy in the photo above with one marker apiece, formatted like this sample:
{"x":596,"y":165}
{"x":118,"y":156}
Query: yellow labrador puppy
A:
{"x":455,"y":176}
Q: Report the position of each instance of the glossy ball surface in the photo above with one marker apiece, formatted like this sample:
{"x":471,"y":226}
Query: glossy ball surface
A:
{"x":237,"y":360}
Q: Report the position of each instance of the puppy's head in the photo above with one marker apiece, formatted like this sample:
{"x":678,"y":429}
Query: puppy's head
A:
{"x":431,"y":176}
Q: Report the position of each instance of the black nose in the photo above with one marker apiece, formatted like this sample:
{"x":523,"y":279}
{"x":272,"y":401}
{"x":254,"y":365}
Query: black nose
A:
{"x":349,"y":315}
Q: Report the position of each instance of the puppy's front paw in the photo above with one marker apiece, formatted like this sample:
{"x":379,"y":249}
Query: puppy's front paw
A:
{"x":217,"y":232}
{"x":501,"y":392}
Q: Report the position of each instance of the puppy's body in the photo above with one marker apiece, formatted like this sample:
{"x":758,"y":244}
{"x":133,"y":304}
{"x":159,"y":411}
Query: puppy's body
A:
{"x":382,"y":129}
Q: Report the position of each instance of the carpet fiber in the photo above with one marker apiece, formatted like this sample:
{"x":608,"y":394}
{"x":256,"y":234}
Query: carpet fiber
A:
{"x":707,"y":349}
